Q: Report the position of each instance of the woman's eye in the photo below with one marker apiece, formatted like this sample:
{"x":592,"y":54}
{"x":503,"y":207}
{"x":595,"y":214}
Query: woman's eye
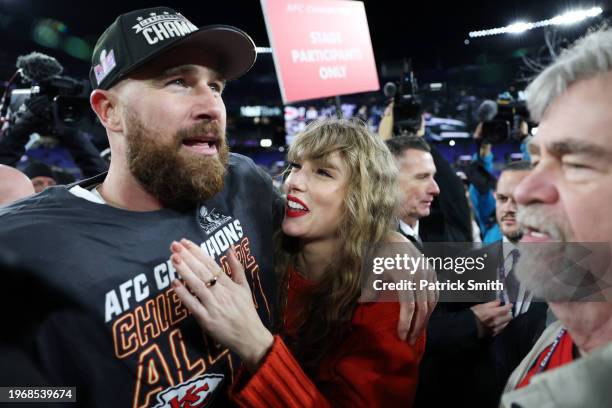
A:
{"x":323,"y":173}
{"x":293,"y":165}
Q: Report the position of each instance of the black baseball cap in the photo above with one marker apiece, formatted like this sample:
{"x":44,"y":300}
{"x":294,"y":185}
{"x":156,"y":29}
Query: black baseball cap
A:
{"x":38,"y":169}
{"x":139,"y":36}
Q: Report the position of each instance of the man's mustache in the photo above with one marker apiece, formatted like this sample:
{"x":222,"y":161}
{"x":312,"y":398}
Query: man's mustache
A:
{"x":202,"y":128}
{"x":511,"y":216}
{"x":537,"y":218}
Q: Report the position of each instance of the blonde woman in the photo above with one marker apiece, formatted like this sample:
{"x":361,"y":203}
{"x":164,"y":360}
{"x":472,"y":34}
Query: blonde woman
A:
{"x":331,"y":350}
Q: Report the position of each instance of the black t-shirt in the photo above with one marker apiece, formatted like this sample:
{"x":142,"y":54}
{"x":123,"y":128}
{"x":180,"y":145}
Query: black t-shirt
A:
{"x":92,"y":304}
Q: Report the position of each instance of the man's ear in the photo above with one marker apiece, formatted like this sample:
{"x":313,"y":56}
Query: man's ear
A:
{"x":104,"y":104}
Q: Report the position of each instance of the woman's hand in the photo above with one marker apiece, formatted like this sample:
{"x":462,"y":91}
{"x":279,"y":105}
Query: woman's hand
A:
{"x":222,"y":306}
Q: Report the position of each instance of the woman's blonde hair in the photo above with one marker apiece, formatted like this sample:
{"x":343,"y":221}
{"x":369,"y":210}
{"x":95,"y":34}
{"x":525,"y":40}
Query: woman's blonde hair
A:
{"x":368,"y":216}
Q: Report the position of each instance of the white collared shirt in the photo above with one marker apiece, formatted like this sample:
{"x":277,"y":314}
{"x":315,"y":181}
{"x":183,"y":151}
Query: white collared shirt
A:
{"x":408,"y":230}
{"x":90,"y":195}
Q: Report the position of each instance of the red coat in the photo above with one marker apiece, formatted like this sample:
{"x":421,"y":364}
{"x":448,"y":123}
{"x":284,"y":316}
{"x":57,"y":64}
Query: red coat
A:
{"x":371,"y":367}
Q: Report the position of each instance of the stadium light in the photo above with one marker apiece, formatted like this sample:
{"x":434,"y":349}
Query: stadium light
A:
{"x":575,"y":16}
{"x":518,"y":28}
{"x":567,"y":18}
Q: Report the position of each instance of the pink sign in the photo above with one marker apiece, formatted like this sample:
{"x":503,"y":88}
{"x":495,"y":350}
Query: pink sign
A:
{"x":321,"y":48}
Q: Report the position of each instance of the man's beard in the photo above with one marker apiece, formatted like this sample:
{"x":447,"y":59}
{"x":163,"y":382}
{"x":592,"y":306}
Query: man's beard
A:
{"x":547,"y":269}
{"x":513,"y":236}
{"x":177,"y":179}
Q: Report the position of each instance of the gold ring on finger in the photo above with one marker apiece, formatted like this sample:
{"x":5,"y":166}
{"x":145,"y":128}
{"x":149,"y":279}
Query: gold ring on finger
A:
{"x":211,"y":282}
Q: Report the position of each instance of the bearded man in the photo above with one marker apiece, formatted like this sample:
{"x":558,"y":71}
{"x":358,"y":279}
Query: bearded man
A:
{"x":91,"y":261}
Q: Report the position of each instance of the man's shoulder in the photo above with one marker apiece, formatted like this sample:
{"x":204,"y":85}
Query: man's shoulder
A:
{"x":496,"y":245}
{"x":246,"y":179}
{"x":40,"y":200}
{"x":241,"y":163}
{"x":243,"y":170}
{"x":595,"y":366}
{"x":546,"y":339}
{"x":36,"y":209}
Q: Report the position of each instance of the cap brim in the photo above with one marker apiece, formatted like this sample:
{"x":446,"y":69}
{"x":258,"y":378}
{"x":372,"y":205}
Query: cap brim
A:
{"x":234,"y":48}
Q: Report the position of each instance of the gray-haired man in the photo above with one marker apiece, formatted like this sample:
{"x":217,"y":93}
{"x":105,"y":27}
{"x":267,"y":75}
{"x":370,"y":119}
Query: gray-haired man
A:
{"x":566,"y":198}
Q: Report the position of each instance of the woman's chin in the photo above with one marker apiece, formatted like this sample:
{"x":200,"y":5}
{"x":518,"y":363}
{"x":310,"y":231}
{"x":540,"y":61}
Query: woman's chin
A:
{"x":290,"y":230}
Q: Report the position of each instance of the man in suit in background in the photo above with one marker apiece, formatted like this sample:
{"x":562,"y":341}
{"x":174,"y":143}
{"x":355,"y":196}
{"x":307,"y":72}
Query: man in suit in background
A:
{"x":528,"y":316}
{"x":417,"y":185}
{"x":449,"y":213}
{"x":505,"y":213}
{"x":457,"y":358}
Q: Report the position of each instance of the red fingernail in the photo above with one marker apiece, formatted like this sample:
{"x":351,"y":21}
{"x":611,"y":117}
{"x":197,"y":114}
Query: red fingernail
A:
{"x":176,"y":259}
